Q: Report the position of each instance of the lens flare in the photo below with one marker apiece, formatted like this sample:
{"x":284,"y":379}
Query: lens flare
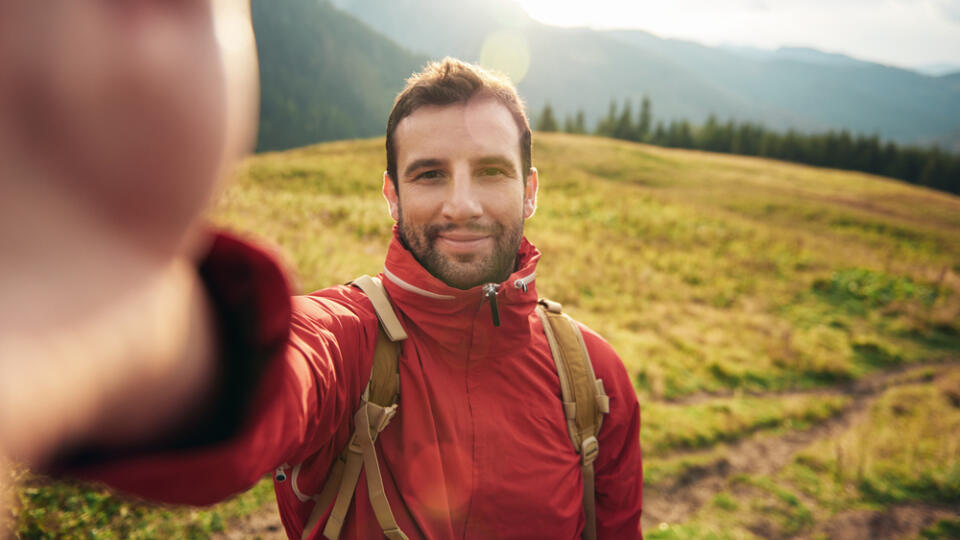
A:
{"x":508,"y":52}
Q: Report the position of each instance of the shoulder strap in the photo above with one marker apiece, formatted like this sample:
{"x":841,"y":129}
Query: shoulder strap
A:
{"x":384,"y":383}
{"x":373,"y":288}
{"x":377,"y":407}
{"x":584,"y":399}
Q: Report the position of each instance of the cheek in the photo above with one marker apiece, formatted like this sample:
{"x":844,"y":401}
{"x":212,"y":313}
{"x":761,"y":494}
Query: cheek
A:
{"x":505,"y":202}
{"x":419,"y":205}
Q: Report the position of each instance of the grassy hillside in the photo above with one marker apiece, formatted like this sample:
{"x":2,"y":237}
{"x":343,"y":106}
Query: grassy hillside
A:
{"x":793,"y":333}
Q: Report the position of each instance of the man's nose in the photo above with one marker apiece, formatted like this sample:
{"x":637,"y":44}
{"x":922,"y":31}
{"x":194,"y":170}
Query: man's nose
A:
{"x":462,"y":202}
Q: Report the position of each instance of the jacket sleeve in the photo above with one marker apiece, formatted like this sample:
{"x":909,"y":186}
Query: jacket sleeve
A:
{"x":618,"y":469}
{"x":290,"y":374}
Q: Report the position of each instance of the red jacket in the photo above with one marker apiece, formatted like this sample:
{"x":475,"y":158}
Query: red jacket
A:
{"x":479,"y":447}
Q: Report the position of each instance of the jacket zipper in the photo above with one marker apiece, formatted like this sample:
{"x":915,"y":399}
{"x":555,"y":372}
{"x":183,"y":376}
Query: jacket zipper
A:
{"x":490,"y":291}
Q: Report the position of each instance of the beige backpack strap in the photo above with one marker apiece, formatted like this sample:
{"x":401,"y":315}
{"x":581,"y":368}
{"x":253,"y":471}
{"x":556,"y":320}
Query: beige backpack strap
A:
{"x":374,"y":290}
{"x":377,"y":407}
{"x":584,"y":400}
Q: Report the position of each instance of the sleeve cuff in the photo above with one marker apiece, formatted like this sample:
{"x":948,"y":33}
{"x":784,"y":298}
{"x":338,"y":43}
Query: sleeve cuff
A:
{"x":250,"y":301}
{"x":250,"y":297}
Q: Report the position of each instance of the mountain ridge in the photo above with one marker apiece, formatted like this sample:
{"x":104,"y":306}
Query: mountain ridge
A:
{"x":793,"y":88}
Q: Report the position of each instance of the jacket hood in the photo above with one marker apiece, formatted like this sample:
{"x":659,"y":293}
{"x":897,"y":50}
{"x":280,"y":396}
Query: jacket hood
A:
{"x":454,"y":316}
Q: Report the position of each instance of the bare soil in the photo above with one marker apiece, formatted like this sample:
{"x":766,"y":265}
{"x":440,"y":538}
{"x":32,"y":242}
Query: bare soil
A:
{"x":262,"y":524}
{"x":763,"y":454}
{"x":894,"y":523}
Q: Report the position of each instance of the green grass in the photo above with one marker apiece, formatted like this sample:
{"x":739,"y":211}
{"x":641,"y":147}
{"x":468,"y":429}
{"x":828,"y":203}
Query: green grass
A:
{"x":684,"y":427}
{"x":662,"y":471}
{"x":695,"y":532}
{"x":708,"y":273}
{"x":69,"y":510}
{"x":946,"y":529}
{"x":780,"y":507}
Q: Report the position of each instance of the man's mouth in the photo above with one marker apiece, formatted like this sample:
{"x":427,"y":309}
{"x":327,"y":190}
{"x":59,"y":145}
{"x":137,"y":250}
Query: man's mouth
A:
{"x":462,"y":241}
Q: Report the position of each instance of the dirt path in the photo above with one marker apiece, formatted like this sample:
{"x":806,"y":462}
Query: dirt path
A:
{"x":763,"y":454}
{"x":262,"y":524}
{"x":894,"y":523}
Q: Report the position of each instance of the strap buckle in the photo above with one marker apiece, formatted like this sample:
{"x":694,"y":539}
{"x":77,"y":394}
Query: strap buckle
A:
{"x":385,"y":416}
{"x":589,"y":449}
{"x":381,"y":417}
{"x":353,"y":445}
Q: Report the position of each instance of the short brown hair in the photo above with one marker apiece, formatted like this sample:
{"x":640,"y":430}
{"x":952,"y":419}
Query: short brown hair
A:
{"x":452,"y":81}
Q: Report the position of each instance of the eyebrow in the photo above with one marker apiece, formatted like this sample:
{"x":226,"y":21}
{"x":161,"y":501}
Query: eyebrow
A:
{"x":422,"y":164}
{"x":503,"y":161}
{"x":426,"y":163}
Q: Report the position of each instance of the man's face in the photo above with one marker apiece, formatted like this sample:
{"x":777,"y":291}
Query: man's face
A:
{"x":462,"y":199}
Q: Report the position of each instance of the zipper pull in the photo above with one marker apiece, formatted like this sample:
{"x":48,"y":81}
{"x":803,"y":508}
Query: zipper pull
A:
{"x":490,"y":291}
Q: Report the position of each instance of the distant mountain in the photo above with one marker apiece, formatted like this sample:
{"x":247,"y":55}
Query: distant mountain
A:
{"x":584,"y":69}
{"x":800,"y":54}
{"x":324,"y":75}
{"x":572,"y":68}
{"x":952,"y":80}
{"x":438,"y":27}
{"x":937,"y":70}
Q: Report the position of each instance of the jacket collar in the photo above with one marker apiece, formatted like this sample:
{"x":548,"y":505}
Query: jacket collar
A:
{"x":456,"y":317}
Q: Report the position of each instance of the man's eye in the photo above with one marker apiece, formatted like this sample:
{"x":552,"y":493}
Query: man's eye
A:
{"x":491,"y":171}
{"x":429,"y":175}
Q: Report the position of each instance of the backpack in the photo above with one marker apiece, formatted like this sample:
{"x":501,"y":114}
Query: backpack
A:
{"x":584,"y":404}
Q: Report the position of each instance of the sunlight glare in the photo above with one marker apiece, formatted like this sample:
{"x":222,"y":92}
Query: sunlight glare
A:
{"x":508,"y":52}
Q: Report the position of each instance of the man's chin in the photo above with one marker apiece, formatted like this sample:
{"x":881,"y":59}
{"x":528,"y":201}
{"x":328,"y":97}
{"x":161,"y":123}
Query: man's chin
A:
{"x":461,"y":274}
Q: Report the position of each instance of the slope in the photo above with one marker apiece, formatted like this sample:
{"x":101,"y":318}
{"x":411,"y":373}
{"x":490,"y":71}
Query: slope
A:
{"x":324,"y":75}
{"x":763,"y":309}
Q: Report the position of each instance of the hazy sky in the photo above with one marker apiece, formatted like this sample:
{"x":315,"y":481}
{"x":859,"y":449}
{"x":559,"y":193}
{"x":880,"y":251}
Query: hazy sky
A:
{"x":907,"y":33}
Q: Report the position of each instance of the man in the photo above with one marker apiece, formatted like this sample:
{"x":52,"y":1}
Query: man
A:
{"x":480,"y":448}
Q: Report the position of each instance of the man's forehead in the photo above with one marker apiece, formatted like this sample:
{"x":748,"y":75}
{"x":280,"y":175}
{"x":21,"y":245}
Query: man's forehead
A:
{"x":480,"y":123}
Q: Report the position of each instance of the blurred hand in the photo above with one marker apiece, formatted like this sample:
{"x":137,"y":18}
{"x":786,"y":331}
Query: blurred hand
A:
{"x":117,"y":119}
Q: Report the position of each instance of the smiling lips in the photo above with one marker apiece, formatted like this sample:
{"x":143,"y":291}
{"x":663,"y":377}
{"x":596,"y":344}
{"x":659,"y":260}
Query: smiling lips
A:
{"x":462,"y":241}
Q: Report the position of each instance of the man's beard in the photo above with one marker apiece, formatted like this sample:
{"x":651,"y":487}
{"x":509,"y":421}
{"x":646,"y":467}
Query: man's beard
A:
{"x":468,"y":270}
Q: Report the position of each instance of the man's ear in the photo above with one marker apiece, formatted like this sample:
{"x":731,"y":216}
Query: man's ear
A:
{"x":530,"y":193}
{"x":390,"y":194}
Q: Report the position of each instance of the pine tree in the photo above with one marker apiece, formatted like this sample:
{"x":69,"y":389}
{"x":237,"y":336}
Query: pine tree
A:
{"x":708,"y":136}
{"x":659,"y":135}
{"x":606,"y":125}
{"x":547,"y":121}
{"x":580,"y":124}
{"x":645,"y":120}
{"x":623,"y":129}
